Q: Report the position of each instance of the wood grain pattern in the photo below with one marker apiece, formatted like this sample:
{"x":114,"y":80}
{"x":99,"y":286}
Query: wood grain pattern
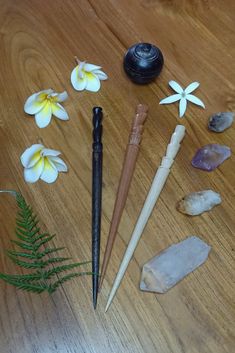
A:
{"x":38,"y":42}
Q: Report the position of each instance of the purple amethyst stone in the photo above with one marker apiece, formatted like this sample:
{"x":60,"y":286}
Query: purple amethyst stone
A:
{"x":209,"y":157}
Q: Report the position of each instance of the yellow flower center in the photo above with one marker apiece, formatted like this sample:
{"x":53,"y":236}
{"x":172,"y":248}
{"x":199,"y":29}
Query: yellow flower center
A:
{"x":51,"y":99}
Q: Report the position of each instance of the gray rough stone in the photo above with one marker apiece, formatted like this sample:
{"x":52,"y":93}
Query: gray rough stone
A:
{"x":220,"y":121}
{"x":171,"y":265}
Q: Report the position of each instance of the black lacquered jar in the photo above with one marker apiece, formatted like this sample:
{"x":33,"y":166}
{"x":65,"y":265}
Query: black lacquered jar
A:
{"x":143,"y":62}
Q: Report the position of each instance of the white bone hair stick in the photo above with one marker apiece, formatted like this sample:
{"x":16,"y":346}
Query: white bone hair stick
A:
{"x":154,"y":192}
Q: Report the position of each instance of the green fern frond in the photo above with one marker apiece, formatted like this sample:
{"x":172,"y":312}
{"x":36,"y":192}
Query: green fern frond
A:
{"x":35,"y":256}
{"x":24,"y":264}
{"x":22,"y":254}
{"x":39,"y":236}
{"x":23,"y":278}
{"x":66,"y":278}
{"x":23,"y":238}
{"x":44,"y":241}
{"x":23,"y":245}
{"x":36,"y":287}
{"x":25,"y":233}
{"x":48,"y":251}
{"x":59,"y":269}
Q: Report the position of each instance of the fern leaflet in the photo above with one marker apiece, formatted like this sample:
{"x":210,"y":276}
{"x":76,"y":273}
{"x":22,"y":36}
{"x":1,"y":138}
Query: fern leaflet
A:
{"x":35,"y":255}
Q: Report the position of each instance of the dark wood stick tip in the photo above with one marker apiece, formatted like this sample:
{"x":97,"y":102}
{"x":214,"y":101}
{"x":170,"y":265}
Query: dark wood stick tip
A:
{"x":97,"y":117}
{"x":94,"y":302}
{"x":97,"y":110}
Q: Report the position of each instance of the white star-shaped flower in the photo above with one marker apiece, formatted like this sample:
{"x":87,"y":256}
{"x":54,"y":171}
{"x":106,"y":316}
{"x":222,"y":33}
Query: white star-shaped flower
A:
{"x":44,"y":104}
{"x":183,"y":95}
{"x":87,"y":76}
{"x":42,"y":163}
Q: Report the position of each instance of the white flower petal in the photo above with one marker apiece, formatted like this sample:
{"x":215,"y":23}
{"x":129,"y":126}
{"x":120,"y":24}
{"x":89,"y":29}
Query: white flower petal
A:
{"x":36,"y":157}
{"x":32,"y":106}
{"x":171,"y":99}
{"x":49,"y":152}
{"x":80,"y":71}
{"x":176,"y":87}
{"x":100,"y":74}
{"x":81,"y":65}
{"x":46,"y":91}
{"x":59,"y":111}
{"x":190,"y":88}
{"x":195,"y":100}
{"x":81,"y":74}
{"x":42,"y":95}
{"x":182,"y":107}
{"x":62,"y":96}
{"x":43,"y":118}
{"x":31,"y":175}
{"x":54,"y":94}
{"x":59,"y":164}
{"x":93,"y":83}
{"x":78,"y":83}
{"x":27,"y":156}
{"x":90,"y":67}
{"x":49,"y":174}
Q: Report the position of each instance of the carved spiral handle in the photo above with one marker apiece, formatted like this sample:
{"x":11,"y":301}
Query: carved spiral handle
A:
{"x":138,"y":124}
{"x":98,"y":128}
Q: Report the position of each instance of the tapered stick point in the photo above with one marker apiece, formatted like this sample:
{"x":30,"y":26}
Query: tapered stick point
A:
{"x":100,"y":285}
{"x":94,"y":302}
{"x":107,"y":306}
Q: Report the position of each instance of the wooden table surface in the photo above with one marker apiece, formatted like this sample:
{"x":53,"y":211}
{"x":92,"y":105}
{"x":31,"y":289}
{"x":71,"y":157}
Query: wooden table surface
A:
{"x":39,"y":40}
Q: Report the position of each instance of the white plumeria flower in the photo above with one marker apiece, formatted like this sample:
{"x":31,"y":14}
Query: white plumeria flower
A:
{"x":87,"y":76}
{"x":42,"y":163}
{"x":183,"y":95}
{"x":44,"y":104}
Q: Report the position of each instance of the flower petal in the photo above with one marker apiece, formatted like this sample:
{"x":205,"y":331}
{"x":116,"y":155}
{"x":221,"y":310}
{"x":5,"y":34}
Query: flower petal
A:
{"x":42,"y":95}
{"x":78,"y":83}
{"x":182,"y":107}
{"x":62,"y":96}
{"x":190,"y":88}
{"x":46,"y":91}
{"x":100,"y":74}
{"x":27,"y":156}
{"x":93,"y":83}
{"x":59,"y":164}
{"x":32,"y":105}
{"x":50,"y":173}
{"x":80,"y":71}
{"x":49,"y":152}
{"x":31,"y":175}
{"x":36,"y":157}
{"x":90,"y":67}
{"x":176,"y":87}
{"x":43,"y":117}
{"x":171,"y":99}
{"x":59,"y":111}
{"x":195,"y":100}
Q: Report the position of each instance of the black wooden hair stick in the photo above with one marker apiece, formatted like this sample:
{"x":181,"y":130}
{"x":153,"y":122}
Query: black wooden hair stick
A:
{"x":96,"y":197}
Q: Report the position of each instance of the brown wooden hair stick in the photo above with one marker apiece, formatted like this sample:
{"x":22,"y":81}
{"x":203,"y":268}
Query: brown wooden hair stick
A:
{"x":124,"y":183}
